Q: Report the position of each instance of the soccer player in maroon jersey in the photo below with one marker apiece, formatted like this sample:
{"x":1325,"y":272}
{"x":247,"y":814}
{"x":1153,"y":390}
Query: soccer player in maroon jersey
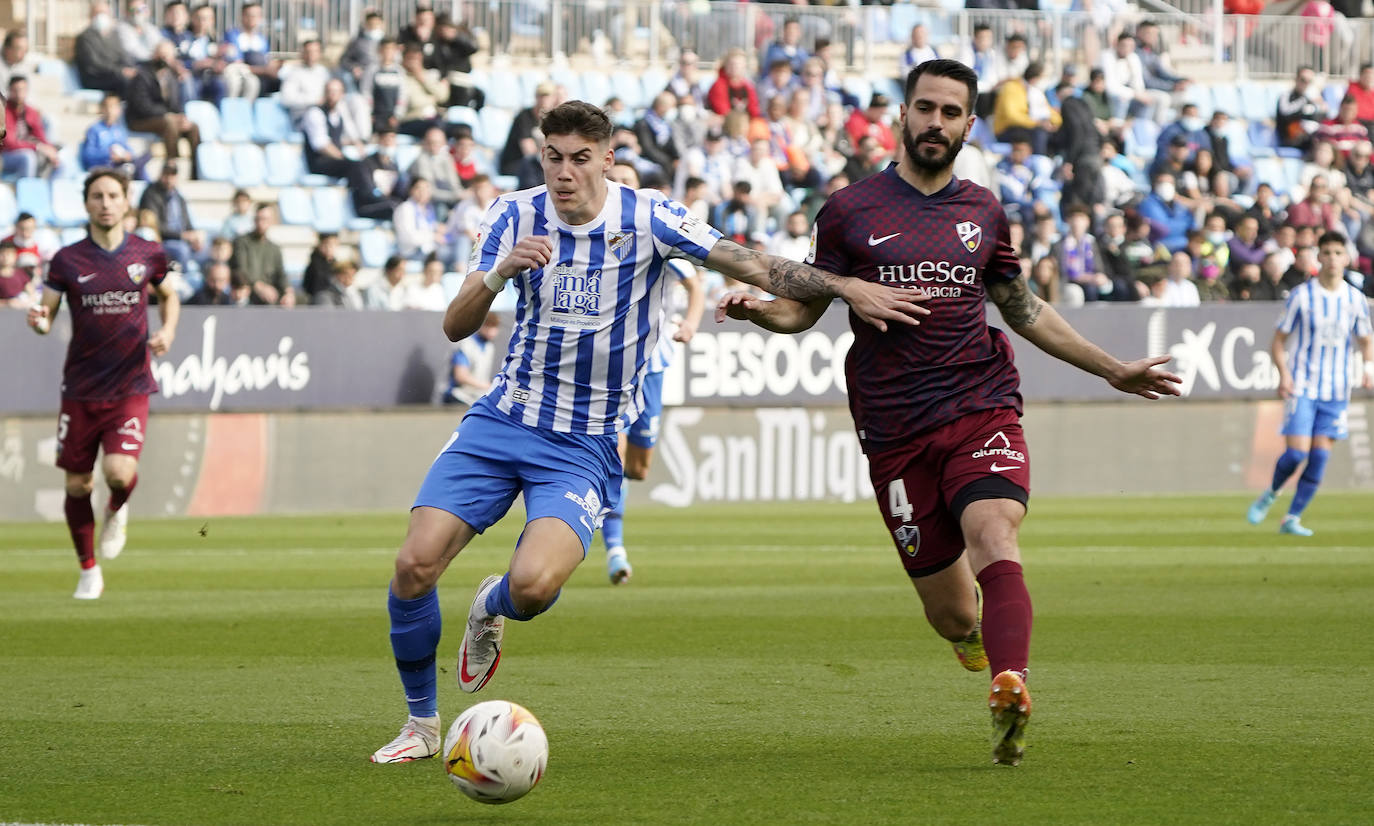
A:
{"x":107,"y":378}
{"x":937,"y":406}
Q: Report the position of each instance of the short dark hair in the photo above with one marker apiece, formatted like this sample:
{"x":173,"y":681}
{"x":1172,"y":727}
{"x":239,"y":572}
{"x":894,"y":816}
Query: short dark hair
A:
{"x":95,"y":175}
{"x":577,"y":117}
{"x":1331,"y":237}
{"x":1034,"y":69}
{"x":373,"y":14}
{"x":8,"y":244}
{"x":13,"y":35}
{"x":393,"y":262}
{"x":263,"y":205}
{"x":24,"y":216}
{"x":943,"y":67}
{"x":325,"y":236}
{"x":1364,"y":66}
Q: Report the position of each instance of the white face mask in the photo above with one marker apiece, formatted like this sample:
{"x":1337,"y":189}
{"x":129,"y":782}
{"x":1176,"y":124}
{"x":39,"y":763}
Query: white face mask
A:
{"x":687,"y":114}
{"x":1216,"y":237}
{"x":103,"y":22}
{"x":1191,"y":124}
{"x":375,"y":34}
{"x":1165,"y":192}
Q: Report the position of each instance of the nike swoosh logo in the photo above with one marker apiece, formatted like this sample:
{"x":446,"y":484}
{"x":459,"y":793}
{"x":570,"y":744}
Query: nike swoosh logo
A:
{"x":82,"y":279}
{"x":873,"y":242}
{"x":128,"y":446}
{"x":996,"y":468}
{"x":468,"y":678}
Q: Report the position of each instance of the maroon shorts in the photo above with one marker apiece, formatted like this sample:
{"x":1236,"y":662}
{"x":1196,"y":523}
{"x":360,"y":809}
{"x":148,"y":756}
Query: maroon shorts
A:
{"x":924,"y":485}
{"x":117,"y":425}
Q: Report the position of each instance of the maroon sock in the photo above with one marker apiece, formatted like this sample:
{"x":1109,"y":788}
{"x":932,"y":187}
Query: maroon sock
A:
{"x":118,"y":496}
{"x":1006,"y":616}
{"x":81,"y":523}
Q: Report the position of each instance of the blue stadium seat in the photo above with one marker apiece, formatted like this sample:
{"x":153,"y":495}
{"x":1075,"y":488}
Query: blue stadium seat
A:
{"x":250,"y":165}
{"x":1256,"y":103}
{"x":1263,"y":139}
{"x":204,"y":115}
{"x":71,"y":235}
{"x":901,"y":17}
{"x":496,"y":125}
{"x":1227,"y":99}
{"x":69,"y":158}
{"x":653,"y":81}
{"x":504,"y":90}
{"x":1201,"y":97}
{"x":468,"y":116}
{"x":284,"y":164}
{"x":374,"y":247}
{"x":236,"y":120}
{"x":596,"y":89}
{"x":406,"y":155}
{"x":8,"y":208}
{"x":295,"y":206}
{"x":1269,"y":170}
{"x":529,"y":79}
{"x":214,"y":162}
{"x":1292,"y":171}
{"x":68,"y":204}
{"x":271,"y":124}
{"x":354,"y":221}
{"x":860,"y":88}
{"x":629,"y":88}
{"x":1141,"y":138}
{"x":71,"y":81}
{"x":136,"y":190}
{"x":1332,"y":94}
{"x":329,"y":208}
{"x":34,"y":196}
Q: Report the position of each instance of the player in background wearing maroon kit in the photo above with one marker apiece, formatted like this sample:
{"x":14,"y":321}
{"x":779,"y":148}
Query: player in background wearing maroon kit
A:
{"x":937,"y":407}
{"x":108,"y":375}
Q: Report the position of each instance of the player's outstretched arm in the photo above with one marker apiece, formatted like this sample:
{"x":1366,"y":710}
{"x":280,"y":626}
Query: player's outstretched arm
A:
{"x":40,"y":315}
{"x":469,"y":307}
{"x":1040,"y":324}
{"x":1278,"y":351}
{"x":876,"y":304}
{"x":781,"y":315}
{"x":169,"y":310}
{"x":696,"y":307}
{"x":1367,"y":353}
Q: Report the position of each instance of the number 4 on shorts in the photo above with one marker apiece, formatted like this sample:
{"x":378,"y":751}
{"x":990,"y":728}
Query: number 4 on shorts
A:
{"x":897,"y":503}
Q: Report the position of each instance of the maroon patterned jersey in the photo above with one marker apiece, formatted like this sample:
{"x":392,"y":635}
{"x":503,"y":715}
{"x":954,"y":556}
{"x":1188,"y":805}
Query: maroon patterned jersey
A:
{"x":912,"y":379}
{"x":107,"y":293}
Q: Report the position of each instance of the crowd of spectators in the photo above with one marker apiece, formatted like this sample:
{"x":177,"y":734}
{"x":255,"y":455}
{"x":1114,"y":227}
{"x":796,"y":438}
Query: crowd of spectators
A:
{"x":754,"y":148}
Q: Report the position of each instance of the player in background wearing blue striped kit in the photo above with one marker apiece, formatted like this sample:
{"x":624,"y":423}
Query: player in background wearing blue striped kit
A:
{"x":1325,"y":316}
{"x":587,"y":259}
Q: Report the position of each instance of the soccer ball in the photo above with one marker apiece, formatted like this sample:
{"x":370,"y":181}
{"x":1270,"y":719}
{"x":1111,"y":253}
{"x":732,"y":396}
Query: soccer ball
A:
{"x":495,"y":752}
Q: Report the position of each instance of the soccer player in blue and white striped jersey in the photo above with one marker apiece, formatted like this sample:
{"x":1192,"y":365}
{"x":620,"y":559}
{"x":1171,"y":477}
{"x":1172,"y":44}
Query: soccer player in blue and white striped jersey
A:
{"x":587,"y":258}
{"x":1325,"y":317}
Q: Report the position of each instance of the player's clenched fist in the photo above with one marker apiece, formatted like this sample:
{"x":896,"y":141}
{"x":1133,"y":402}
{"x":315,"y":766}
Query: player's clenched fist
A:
{"x":38,"y":318}
{"x":529,"y":253}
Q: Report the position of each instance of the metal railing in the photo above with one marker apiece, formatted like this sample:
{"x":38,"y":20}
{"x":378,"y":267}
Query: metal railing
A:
{"x":865,"y":39}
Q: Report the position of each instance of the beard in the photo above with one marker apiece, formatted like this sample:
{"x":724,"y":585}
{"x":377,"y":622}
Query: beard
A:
{"x":930,"y":163}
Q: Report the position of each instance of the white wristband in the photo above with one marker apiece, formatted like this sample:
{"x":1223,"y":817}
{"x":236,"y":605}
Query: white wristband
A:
{"x":494,"y":282}
{"x":1369,"y":369}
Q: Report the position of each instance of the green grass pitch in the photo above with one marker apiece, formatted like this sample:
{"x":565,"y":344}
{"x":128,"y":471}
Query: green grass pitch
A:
{"x":767,"y":664}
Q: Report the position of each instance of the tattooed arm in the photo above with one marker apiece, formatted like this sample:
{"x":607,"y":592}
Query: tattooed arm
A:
{"x":874,"y":303}
{"x":1039,"y":323}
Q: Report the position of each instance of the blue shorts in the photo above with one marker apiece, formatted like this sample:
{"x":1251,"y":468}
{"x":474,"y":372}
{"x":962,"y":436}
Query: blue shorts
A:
{"x":644,"y":432}
{"x":1308,"y":417}
{"x":491,"y":458}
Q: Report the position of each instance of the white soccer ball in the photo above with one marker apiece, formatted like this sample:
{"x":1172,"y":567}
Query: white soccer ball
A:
{"x":495,"y":752}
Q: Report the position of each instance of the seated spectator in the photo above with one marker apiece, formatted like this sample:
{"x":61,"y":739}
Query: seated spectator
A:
{"x":655,"y":134}
{"x":1023,"y":112}
{"x":248,"y":45}
{"x":778,"y":81}
{"x":435,"y":164}
{"x":1359,"y":173}
{"x":1170,"y":219}
{"x":329,"y":129}
{"x":419,"y":32}
{"x":1300,"y":112}
{"x":361,"y":56}
{"x":787,"y":47}
{"x":1317,"y":209}
{"x":1345,"y":130}
{"x":686,"y":82}
{"x":176,"y":27}
{"x":1267,"y":210}
{"x":465,"y":222}
{"x":172,"y":218}
{"x":467,"y":161}
{"x":387,"y":82}
{"x":155,"y":105}
{"x":342,"y":290}
{"x":1118,"y":265}
{"x":1178,"y":289}
{"x":302,"y":84}
{"x":625,"y":146}
{"x":15,"y":58}
{"x":761,"y":171}
{"x":454,"y":46}
{"x":1221,"y":151}
{"x":139,"y":35}
{"x":1211,"y":258}
{"x":35,"y":249}
{"x":1195,"y":184}
{"x":203,"y":56}
{"x":423,"y":92}
{"x":733,"y":91}
{"x":1016,"y":182}
{"x":378,"y":185}
{"x":389,"y":292}
{"x":1099,"y":103}
{"x":1125,"y":83}
{"x":16,"y":285}
{"x":240,"y":219}
{"x":793,"y":241}
{"x":819,"y":97}
{"x":1362,"y":90}
{"x":1305,"y":265}
{"x":918,"y":51}
{"x":1246,"y":245}
{"x":472,"y":363}
{"x":980,"y":55}
{"x":216,"y":290}
{"x":738,"y":218}
{"x":260,"y":261}
{"x":101,"y":62}
{"x":873,"y":122}
{"x":520,"y":141}
{"x":429,"y":295}
{"x":221,"y":250}
{"x":418,"y":231}
{"x":320,"y":271}
{"x":1269,"y":286}
{"x":1248,"y":280}
{"x":1154,"y":60}
{"x":1189,"y":125}
{"x":24,"y":148}
{"x":1079,"y":258}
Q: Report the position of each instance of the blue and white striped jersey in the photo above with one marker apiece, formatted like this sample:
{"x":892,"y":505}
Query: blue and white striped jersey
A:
{"x":1323,"y":324}
{"x":675,"y":304}
{"x":586,"y":324}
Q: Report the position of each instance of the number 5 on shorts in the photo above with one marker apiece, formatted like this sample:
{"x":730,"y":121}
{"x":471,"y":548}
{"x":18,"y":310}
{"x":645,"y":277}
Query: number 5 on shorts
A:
{"x":63,"y":422}
{"x":897,"y":503}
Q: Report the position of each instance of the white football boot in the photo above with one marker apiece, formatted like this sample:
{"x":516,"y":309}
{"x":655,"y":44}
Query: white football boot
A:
{"x":91,"y":584}
{"x":419,"y":739}
{"x":481,"y":651}
{"x":114,"y":532}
